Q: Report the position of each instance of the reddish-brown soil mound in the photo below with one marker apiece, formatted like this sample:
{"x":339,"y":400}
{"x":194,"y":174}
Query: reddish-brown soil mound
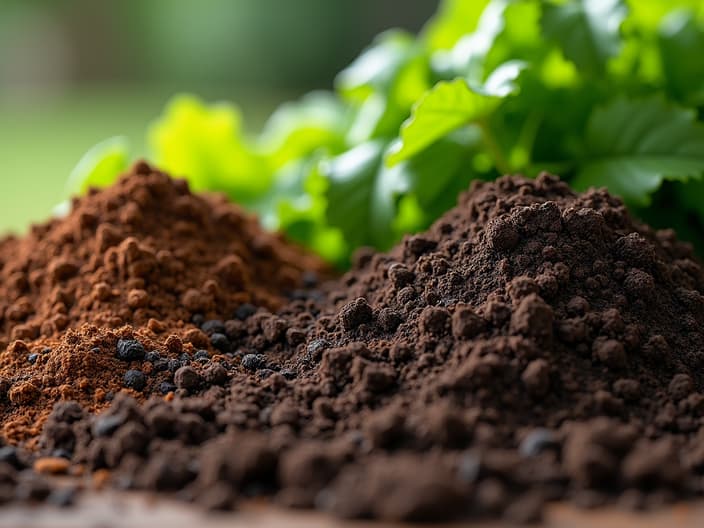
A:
{"x":140,"y":258}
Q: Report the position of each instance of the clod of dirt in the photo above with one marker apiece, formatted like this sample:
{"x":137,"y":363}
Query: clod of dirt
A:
{"x":105,"y":299}
{"x":534,"y":344}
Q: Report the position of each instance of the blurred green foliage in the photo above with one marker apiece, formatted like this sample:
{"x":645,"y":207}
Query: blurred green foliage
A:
{"x":605,"y":93}
{"x":76,"y":71}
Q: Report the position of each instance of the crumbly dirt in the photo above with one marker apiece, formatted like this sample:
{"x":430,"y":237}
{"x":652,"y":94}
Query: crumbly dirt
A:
{"x":138,"y":259}
{"x":534,"y":344}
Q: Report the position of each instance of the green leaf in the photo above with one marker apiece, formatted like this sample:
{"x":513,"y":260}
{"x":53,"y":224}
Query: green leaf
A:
{"x":455,"y":19}
{"x":647,"y":15}
{"x":520,"y":36}
{"x":364,"y":196}
{"x":436,"y":176}
{"x":680,"y":35}
{"x":502,"y":81}
{"x":451,"y":105}
{"x":587,"y":30}
{"x":377,"y":67}
{"x":100,"y":166}
{"x":467,"y":57}
{"x":296,"y":130}
{"x":382,"y":85}
{"x":296,"y":205}
{"x":205,"y":144}
{"x":632,"y":146}
{"x":352,"y":179}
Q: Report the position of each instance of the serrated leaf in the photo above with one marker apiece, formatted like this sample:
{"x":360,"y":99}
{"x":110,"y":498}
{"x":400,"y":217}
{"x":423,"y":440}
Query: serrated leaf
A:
{"x":100,"y":166}
{"x":446,"y":107}
{"x":451,"y":105}
{"x":587,"y":30}
{"x":632,"y":146}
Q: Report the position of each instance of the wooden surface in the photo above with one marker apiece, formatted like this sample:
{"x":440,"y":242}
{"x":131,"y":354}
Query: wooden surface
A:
{"x":117,"y":510}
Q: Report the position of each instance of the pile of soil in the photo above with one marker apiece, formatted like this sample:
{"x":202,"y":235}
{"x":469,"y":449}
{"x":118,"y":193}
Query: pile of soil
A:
{"x":535,"y":344}
{"x":136,"y":260}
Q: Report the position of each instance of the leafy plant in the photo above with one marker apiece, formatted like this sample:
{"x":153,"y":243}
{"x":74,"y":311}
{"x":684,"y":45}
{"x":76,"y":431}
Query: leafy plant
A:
{"x":603,"y":92}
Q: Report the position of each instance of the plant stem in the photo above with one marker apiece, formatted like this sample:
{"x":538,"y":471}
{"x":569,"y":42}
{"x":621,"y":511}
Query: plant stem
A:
{"x":494,"y":149}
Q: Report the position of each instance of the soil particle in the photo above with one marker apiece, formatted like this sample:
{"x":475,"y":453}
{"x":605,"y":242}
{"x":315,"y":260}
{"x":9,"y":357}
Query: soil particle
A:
{"x":356,"y":313}
{"x":534,"y":344}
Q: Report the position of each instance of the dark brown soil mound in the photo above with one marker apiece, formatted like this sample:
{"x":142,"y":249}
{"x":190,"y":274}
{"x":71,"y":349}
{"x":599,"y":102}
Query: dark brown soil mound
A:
{"x":533,"y":345}
{"x":145,"y":253}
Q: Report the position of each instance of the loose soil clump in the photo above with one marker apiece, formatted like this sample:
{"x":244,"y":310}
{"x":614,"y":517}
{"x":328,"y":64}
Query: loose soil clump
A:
{"x":533,"y":345}
{"x":135,"y":261}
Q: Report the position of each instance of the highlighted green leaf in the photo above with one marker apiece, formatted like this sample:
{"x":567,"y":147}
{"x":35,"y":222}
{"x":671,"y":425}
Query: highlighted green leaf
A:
{"x":679,"y":35}
{"x":587,"y":30}
{"x":446,"y":107}
{"x":100,"y":166}
{"x":205,"y":144}
{"x":455,"y":19}
{"x":633,"y":146}
{"x":296,"y":130}
{"x":450,"y":105}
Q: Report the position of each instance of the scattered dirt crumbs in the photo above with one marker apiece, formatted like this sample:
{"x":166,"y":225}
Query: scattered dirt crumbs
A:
{"x":103,"y":300}
{"x":534,"y":345}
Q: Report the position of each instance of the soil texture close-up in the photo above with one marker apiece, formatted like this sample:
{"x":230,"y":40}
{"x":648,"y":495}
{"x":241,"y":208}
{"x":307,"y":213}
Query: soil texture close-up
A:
{"x":534,"y":345}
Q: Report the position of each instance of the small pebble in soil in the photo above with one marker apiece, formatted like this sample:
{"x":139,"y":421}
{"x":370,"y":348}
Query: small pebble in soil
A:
{"x":288,"y":374}
{"x":213,"y":327}
{"x":187,"y":378}
{"x":130,"y":350}
{"x":202,"y":354}
{"x":166,"y":387}
{"x":161,"y":365}
{"x":152,"y":357}
{"x":174,"y":365}
{"x":32,"y":358}
{"x":220,"y":342}
{"x":253,"y":362}
{"x":245,"y":311}
{"x":316,"y":348}
{"x":135,"y":379}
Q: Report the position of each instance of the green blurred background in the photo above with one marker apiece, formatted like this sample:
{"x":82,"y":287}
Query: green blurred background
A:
{"x":73,"y":73}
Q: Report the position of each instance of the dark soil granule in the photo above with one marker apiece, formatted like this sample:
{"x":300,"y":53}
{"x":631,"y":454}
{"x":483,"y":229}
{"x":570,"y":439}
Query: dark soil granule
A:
{"x":533,"y":345}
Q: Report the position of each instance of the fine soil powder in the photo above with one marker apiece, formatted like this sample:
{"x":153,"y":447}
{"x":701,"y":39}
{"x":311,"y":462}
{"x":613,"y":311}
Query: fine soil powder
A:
{"x":533,"y":345}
